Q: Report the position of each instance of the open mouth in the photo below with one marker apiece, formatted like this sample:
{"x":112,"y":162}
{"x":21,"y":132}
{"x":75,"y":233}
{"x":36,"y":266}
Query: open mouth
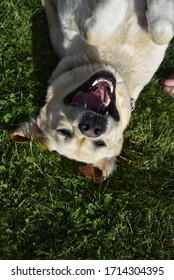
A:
{"x":97,"y":95}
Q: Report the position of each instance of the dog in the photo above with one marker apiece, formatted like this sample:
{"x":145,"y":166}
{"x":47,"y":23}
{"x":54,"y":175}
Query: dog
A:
{"x":108,"y":50}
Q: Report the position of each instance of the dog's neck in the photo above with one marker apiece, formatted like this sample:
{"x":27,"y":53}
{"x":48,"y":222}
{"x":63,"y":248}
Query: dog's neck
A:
{"x":90,"y":60}
{"x":87,"y":57}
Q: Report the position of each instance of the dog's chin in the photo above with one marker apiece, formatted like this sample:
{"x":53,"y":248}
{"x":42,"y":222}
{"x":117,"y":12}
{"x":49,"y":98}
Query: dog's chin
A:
{"x":97,"y":95}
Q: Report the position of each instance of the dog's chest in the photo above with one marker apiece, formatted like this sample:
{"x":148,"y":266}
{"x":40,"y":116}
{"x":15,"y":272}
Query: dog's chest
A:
{"x":131,"y":51}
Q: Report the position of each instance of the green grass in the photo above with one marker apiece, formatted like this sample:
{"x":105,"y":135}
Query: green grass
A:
{"x":47,"y":209}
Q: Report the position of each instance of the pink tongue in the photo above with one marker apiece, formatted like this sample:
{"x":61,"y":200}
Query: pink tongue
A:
{"x":93,"y":100}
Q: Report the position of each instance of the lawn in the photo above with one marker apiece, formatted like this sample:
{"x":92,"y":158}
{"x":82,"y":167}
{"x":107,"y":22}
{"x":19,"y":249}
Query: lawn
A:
{"x":47,"y":209}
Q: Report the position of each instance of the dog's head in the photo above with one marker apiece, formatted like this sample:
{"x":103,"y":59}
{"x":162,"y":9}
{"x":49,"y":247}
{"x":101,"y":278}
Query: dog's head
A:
{"x":83,"y":119}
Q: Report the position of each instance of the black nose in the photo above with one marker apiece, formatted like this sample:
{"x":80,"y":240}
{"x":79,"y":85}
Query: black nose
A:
{"x":92,"y":125}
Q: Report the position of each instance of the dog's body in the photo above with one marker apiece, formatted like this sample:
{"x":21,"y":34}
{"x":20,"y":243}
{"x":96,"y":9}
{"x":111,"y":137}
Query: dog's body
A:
{"x":109,"y":51}
{"x":125,"y":45}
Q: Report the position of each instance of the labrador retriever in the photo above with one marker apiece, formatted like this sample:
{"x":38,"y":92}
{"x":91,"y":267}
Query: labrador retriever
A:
{"x":108,"y":50}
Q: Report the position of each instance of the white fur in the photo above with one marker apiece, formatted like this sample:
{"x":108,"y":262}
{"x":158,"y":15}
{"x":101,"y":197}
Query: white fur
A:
{"x":160,"y":17}
{"x":126,"y":37}
{"x":111,"y":29}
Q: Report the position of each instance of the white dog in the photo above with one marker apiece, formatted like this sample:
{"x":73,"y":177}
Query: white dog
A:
{"x":109,"y":50}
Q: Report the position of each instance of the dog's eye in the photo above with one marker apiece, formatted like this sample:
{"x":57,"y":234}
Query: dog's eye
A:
{"x":99,"y":143}
{"x":64,"y":132}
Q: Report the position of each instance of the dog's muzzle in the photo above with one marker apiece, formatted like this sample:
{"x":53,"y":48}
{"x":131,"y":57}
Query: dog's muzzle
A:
{"x":97,"y":102}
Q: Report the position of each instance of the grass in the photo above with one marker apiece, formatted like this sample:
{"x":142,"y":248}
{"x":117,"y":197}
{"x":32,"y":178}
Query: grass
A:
{"x":47,"y":209}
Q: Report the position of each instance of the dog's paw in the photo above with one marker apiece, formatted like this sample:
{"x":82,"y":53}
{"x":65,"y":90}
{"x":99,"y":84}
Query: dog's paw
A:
{"x":91,"y":32}
{"x":161,"y":31}
{"x":160,"y":19}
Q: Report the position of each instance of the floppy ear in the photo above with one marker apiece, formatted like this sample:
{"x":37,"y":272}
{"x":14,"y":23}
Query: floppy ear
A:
{"x":99,"y":171}
{"x":27,"y":131}
{"x":92,"y":173}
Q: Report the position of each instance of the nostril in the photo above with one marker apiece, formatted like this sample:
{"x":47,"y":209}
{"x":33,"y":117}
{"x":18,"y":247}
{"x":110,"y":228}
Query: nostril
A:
{"x":97,"y":131}
{"x":84,"y":127}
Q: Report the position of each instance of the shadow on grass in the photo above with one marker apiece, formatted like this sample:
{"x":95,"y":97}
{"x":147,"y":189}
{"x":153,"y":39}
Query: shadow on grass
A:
{"x":44,"y":58}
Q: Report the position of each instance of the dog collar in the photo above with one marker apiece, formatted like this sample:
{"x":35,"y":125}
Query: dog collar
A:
{"x":133,"y":104}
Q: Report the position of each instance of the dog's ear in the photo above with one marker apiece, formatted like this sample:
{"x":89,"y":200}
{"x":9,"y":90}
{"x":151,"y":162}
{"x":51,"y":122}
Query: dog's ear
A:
{"x":93,"y":173}
{"x":27,"y":131}
{"x":99,"y":171}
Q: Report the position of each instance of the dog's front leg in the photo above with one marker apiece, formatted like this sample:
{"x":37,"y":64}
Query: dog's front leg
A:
{"x":94,"y":20}
{"x":160,"y":16}
{"x":106,"y":17}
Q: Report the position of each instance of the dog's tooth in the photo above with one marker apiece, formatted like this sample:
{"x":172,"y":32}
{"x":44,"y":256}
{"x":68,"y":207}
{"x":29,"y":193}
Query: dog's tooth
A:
{"x":107,"y":102}
{"x":101,"y":80}
{"x":106,"y":113}
{"x":111,"y":88}
{"x":85,"y":105}
{"x":105,"y":81}
{"x":94,"y":83}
